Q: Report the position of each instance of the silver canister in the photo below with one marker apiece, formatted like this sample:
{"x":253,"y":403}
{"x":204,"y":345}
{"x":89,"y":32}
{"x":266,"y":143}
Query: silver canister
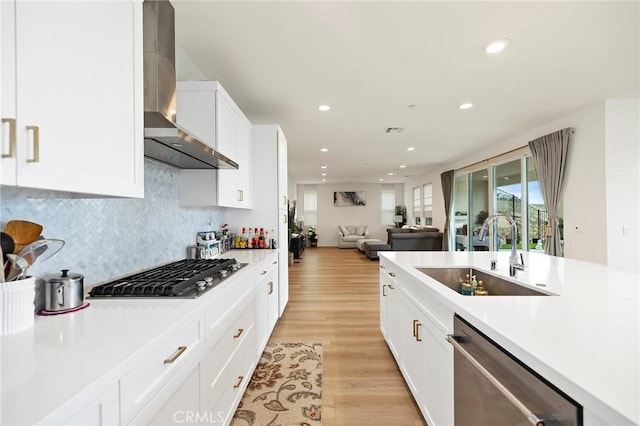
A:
{"x":64,"y":292}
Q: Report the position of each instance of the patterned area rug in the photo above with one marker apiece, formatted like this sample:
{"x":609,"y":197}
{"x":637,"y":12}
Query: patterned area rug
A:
{"x":285,"y":389}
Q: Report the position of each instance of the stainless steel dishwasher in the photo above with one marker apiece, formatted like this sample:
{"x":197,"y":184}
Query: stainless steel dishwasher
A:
{"x":492,"y":387}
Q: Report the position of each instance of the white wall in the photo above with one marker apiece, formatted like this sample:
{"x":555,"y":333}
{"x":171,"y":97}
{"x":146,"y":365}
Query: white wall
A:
{"x":586,"y":181}
{"x":622,"y":141}
{"x":330,"y":216}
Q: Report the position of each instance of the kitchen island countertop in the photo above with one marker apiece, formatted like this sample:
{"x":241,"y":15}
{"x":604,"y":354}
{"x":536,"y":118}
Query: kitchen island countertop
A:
{"x":584,"y":339}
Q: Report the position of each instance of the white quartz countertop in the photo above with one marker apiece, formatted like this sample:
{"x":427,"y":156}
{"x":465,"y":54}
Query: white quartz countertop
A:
{"x":584,"y":339}
{"x":64,"y":358}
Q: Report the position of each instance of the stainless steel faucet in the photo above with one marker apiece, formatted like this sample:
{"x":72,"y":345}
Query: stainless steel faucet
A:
{"x":514,"y":265}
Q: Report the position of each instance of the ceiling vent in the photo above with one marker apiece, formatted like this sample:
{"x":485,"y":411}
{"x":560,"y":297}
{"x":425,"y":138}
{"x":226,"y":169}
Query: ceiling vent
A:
{"x":393,"y":129}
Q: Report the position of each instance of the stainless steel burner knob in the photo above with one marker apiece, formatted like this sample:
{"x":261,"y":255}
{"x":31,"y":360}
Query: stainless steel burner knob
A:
{"x":209,"y":281}
{"x":201,"y":285}
{"x":223,"y":273}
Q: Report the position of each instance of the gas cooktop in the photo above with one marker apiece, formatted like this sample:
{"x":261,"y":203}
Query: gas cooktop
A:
{"x":188,"y":278}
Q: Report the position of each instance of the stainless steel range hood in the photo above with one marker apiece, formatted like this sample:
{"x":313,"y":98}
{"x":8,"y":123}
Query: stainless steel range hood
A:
{"x":163,"y":139}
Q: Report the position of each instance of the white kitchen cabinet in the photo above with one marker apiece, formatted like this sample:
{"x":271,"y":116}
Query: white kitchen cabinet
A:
{"x":270,"y":198}
{"x":206,"y":110}
{"x":142,"y":384}
{"x":415,"y":325}
{"x":104,"y":410}
{"x":266,"y":301}
{"x":390,"y":319}
{"x":72,"y":99}
{"x":229,"y":359}
{"x":427,"y":364}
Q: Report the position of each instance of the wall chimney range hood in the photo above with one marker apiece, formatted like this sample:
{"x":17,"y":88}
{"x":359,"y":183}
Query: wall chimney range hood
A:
{"x":164,"y":141}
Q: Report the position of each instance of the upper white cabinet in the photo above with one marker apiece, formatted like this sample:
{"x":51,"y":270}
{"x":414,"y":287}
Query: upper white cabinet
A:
{"x":72,"y":96}
{"x":270,"y":197}
{"x":205,"y":109}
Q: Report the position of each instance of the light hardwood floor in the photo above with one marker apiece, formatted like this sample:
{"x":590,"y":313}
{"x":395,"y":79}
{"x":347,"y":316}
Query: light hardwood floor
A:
{"x":333,"y":299}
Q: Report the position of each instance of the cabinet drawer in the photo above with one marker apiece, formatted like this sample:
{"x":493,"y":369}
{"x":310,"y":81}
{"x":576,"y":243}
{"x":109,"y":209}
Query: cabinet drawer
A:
{"x":140,"y":385}
{"x":227,"y":392}
{"x":237,"y":330}
{"x":223,"y":304}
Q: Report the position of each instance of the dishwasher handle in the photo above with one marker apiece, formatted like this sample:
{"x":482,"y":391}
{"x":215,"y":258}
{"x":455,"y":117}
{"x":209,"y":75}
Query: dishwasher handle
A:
{"x":533,"y":419}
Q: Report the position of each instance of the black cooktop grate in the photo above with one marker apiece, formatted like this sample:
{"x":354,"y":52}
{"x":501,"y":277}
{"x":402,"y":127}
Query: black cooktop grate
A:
{"x":177,"y":279}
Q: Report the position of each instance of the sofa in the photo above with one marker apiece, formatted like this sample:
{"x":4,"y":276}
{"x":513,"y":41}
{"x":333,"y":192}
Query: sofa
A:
{"x":348,"y":235}
{"x":418,"y":240}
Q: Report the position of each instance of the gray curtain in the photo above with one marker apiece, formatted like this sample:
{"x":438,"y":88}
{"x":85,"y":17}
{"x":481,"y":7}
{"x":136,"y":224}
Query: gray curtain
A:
{"x":550,"y":155}
{"x":446,"y":179}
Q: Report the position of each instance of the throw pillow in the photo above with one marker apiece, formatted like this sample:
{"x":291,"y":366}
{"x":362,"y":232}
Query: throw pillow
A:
{"x":353,"y":230}
{"x":361,"y":229}
{"x":344,"y":230}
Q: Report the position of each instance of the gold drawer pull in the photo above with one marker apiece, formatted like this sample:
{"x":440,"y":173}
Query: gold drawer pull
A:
{"x":175,"y":355}
{"x":392,"y":274}
{"x":381,"y":266}
{"x":36,"y":144}
{"x":237,"y":385}
{"x":263,"y":272}
{"x":240,"y":331}
{"x":12,"y":137}
{"x":270,"y":288}
{"x":384,"y":289}
{"x":416,"y":330}
{"x":275,"y":262}
{"x":391,"y":287}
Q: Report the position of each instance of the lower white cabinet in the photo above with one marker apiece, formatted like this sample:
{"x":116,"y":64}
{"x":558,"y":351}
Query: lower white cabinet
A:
{"x":104,"y":410}
{"x":414,"y":332}
{"x":266,"y":302}
{"x":390,"y":321}
{"x":144,"y":381}
{"x":427,"y":364}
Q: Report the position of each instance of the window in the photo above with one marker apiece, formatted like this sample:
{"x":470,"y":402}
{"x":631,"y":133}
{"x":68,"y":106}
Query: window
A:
{"x":310,"y":212}
{"x":417,"y":203}
{"x":509,"y":186}
{"x":427,"y":203}
{"x":388,"y":206}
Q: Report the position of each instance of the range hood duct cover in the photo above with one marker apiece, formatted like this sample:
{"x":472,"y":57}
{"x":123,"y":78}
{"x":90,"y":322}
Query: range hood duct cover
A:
{"x":164,"y":141}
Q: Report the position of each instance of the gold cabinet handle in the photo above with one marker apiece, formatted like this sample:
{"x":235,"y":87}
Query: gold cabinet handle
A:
{"x":384,"y":290}
{"x":239,"y":333}
{"x":12,"y":137}
{"x":237,"y":385}
{"x":391,"y":287}
{"x":415,"y":328}
{"x":391,"y":274}
{"x":36,"y":144}
{"x":263,"y":272}
{"x":270,"y":288}
{"x":284,"y":218}
{"x":175,"y":355}
{"x":284,"y":200}
{"x":275,"y":262}
{"x":381,"y":266}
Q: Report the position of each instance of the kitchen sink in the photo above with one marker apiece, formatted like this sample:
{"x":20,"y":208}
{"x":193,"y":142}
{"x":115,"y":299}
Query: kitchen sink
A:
{"x":496,"y":286}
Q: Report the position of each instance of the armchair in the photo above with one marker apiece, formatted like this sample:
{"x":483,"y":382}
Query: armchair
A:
{"x":349,"y":235}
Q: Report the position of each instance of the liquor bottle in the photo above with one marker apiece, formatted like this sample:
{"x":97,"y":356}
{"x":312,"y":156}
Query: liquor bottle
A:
{"x":261,"y":239}
{"x":250,"y":238}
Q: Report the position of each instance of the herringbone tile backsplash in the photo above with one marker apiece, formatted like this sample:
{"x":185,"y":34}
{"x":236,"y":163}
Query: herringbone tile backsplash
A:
{"x":110,"y":237}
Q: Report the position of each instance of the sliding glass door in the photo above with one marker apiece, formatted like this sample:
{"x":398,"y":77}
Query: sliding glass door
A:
{"x":509,"y":186}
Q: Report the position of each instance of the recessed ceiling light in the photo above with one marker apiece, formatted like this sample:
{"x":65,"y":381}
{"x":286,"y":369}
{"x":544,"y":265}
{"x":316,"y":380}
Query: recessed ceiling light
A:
{"x":465,"y":105}
{"x":324,"y":180}
{"x":324,"y":166}
{"x":390,"y":173}
{"x":323,"y":174}
{"x":411,"y":148}
{"x":380,"y":179}
{"x":324,"y":107}
{"x":497,"y":46}
{"x":403,"y":167}
{"x":323,"y":150}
